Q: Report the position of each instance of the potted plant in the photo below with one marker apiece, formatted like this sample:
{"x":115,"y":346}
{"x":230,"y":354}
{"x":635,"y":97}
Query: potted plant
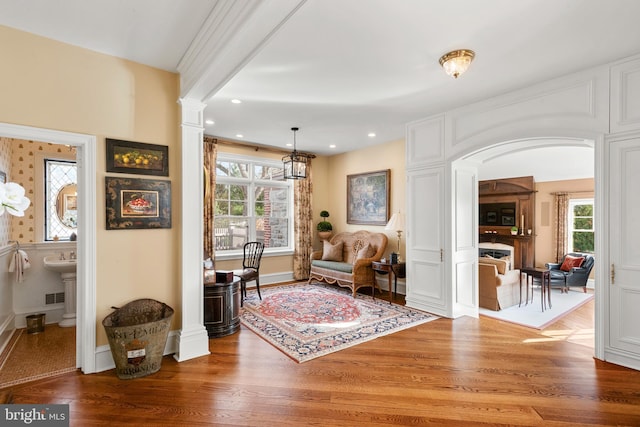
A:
{"x":324,"y":227}
{"x":514,"y":230}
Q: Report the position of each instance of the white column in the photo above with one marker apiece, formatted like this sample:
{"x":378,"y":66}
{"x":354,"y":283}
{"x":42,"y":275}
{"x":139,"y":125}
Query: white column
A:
{"x":193,"y":340}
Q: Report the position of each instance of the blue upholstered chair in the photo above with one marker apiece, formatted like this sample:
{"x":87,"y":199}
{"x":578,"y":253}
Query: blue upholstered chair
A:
{"x":575,"y":277}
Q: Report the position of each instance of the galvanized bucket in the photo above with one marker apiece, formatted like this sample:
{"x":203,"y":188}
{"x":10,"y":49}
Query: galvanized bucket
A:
{"x":137,"y":334}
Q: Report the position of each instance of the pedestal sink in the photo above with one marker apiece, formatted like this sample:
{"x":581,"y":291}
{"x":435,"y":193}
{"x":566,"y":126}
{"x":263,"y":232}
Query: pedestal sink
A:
{"x":67,"y":270}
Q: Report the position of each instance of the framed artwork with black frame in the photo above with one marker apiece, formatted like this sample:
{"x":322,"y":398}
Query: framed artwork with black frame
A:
{"x":137,"y":158}
{"x":134,"y":203}
{"x":368,"y":198}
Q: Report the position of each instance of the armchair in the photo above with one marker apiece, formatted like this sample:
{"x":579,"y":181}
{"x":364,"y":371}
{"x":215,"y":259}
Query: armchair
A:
{"x":570,"y":276}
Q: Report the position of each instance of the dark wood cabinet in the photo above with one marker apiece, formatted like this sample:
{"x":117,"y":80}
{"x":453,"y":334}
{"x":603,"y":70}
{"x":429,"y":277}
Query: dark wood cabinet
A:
{"x":222,"y":308}
{"x":505,"y":203}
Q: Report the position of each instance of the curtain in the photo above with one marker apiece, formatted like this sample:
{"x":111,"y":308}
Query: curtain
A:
{"x":561,"y":207}
{"x":303,"y":230}
{"x":210,"y":155}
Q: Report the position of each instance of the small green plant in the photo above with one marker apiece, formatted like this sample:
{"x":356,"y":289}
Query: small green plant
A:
{"x":324,"y":225}
{"x":514,"y":229}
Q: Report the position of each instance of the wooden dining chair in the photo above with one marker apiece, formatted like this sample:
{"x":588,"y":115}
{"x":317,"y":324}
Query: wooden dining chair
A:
{"x":250,"y":268}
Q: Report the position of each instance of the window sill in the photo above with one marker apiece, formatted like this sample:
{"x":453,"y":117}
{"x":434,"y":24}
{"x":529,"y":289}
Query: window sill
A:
{"x":239,"y":255}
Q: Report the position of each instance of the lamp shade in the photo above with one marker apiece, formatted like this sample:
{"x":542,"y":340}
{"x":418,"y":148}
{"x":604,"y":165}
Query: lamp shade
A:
{"x":396,"y":222}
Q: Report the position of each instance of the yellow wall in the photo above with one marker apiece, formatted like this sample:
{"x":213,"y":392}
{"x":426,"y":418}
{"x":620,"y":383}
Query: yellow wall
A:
{"x":47,"y":84}
{"x":580,"y":189}
{"x":330,"y":186}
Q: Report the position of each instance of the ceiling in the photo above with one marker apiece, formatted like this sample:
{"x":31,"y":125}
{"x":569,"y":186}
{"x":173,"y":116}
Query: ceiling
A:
{"x":342,"y":69}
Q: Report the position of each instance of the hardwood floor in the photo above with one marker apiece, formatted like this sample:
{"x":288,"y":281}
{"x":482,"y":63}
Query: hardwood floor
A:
{"x":443,"y":373}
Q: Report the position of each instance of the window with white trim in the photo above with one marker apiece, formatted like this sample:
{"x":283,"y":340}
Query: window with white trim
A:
{"x":61,"y":195}
{"x":580,"y":226}
{"x":252,"y":203}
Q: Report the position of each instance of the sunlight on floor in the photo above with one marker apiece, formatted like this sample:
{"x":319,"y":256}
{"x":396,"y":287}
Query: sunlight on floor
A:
{"x":583,"y":337}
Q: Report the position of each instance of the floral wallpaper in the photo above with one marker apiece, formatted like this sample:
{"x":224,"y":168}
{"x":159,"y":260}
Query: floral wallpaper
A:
{"x":5,"y":166}
{"x":17,"y":160}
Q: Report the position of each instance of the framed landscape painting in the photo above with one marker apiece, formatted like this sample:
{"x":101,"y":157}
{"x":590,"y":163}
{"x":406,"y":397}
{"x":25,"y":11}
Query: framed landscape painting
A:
{"x":137,"y":203}
{"x":137,"y":158}
{"x":368,"y":198}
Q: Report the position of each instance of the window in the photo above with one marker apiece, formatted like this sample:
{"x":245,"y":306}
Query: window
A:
{"x":581,"y":232}
{"x":252,"y":203}
{"x":61,"y":192}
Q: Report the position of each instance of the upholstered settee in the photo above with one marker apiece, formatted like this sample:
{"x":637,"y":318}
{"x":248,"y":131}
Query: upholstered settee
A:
{"x":346,"y":259}
{"x":499,"y":286}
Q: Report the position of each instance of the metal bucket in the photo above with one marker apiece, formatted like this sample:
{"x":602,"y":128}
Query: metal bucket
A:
{"x":137,"y":334}
{"x":35,"y":323}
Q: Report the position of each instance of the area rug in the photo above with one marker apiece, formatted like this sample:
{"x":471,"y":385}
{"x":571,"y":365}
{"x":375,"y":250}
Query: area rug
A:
{"x":532,"y":316}
{"x":306,"y":321}
{"x":30,"y":357}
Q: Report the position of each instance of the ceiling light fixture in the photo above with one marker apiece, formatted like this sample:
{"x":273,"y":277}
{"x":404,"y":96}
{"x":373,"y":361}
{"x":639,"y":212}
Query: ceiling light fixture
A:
{"x":295,"y":164}
{"x":457,"y":62}
{"x":236,"y":101}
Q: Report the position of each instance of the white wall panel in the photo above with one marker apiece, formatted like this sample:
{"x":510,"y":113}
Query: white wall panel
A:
{"x":625,"y":96}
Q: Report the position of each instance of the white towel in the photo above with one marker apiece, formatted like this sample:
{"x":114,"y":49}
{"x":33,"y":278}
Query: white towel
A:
{"x":19,"y":263}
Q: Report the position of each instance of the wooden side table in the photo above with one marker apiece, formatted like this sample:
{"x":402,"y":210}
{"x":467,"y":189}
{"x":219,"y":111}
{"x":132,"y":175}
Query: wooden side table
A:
{"x":545,"y":284}
{"x":222,"y":308}
{"x":397,"y":270}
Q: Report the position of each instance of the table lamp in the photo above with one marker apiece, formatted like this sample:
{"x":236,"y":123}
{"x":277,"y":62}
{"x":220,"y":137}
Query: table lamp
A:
{"x":396,"y":223}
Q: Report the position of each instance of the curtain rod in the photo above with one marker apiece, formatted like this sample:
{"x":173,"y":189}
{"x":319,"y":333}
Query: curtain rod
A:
{"x":256,"y":147}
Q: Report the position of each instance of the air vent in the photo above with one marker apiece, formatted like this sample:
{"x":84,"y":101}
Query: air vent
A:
{"x":56,"y":298}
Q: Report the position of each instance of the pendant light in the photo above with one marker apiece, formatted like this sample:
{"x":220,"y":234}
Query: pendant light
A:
{"x":295,"y":164}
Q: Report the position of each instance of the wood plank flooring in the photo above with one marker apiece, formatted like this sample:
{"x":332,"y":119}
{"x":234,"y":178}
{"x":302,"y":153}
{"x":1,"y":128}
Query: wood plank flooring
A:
{"x":443,"y":373}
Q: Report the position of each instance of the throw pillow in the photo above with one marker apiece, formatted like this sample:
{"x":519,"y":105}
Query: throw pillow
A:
{"x":500,"y":264}
{"x":365,"y":252}
{"x":570,"y":262}
{"x":331,"y":252}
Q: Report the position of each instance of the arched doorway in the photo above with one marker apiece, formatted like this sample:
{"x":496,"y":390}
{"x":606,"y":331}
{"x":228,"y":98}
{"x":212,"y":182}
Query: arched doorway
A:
{"x":546,"y":160}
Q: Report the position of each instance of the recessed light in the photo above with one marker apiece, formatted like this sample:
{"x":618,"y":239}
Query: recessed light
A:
{"x":236,"y":101}
{"x":288,"y":144}
{"x":239,"y":135}
{"x":371,"y":135}
{"x":209,"y":122}
{"x":332,"y":146}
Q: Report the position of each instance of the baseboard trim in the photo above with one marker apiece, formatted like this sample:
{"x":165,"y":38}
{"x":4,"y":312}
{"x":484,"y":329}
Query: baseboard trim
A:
{"x":104,"y":360}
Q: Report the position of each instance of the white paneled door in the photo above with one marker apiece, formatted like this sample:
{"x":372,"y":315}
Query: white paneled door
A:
{"x":624,"y":243}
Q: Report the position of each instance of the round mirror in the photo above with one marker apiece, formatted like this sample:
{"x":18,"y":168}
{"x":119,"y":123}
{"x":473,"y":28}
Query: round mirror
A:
{"x":67,"y":205}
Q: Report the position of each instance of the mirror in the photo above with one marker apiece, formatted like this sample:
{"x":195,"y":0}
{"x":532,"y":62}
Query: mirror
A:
{"x":67,"y":205}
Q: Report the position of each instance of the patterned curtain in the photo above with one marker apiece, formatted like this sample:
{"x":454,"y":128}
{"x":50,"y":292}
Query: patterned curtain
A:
{"x":210,"y":155}
{"x":561,"y":206}
{"x":303,"y":231}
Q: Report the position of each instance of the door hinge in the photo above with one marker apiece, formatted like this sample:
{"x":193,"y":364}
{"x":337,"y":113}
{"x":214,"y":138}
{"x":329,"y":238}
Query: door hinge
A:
{"x":613,"y":274}
{"x":441,"y":255}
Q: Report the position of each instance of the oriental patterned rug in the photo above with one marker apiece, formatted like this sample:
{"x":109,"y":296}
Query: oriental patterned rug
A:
{"x":306,"y":321}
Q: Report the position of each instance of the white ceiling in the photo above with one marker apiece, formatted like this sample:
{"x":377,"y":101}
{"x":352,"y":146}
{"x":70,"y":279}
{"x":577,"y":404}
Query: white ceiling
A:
{"x":340,"y":69}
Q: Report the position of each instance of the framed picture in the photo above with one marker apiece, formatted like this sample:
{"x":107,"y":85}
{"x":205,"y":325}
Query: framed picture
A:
{"x":137,"y":158}
{"x":492,"y":217}
{"x":368,"y":198}
{"x":508,"y":220}
{"x":70,"y":202}
{"x":134,"y":203}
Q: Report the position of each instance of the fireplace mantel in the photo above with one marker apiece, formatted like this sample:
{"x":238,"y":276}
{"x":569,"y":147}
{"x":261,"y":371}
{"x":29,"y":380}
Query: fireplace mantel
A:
{"x":519,"y":192}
